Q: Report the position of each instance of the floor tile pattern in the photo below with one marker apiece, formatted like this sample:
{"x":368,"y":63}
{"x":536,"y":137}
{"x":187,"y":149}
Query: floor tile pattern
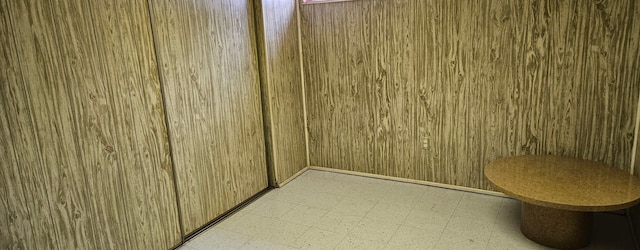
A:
{"x":325,"y":210}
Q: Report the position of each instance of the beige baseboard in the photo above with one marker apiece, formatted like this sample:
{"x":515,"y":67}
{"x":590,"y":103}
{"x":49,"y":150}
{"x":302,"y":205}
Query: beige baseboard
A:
{"x":281,"y":184}
{"x":426,"y":183}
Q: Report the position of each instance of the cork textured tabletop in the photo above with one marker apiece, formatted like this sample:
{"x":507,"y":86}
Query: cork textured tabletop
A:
{"x":564,"y":183}
{"x":559,"y":195}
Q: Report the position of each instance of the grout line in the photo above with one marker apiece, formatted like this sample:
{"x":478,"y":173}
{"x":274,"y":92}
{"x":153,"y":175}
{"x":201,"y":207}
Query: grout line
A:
{"x":302,"y":83}
{"x":449,"y":220}
{"x":634,"y":148}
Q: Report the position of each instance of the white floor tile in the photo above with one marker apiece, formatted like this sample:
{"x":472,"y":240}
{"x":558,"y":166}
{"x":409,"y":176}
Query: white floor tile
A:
{"x":324,"y":210}
{"x":508,"y":219}
{"x":407,"y":237}
{"x":424,"y":219}
{"x":250,"y":224}
{"x":387,"y":212}
{"x":442,"y":194}
{"x":185,"y":247}
{"x":403,"y":194}
{"x":479,"y":207}
{"x":458,"y":240}
{"x":290,"y":195}
{"x":321,"y":200}
{"x":304,"y":215}
{"x":512,"y":240}
{"x":342,"y":187}
{"x":354,"y":206}
{"x":338,"y":222}
{"x":468,"y":225}
{"x":284,"y":233}
{"x":375,"y":230}
{"x":261,"y":244}
{"x":214,"y":238}
{"x":347,"y":178}
{"x":373,"y":189}
{"x":351,"y":242}
{"x":316,"y":238}
{"x":439,"y":200}
{"x":273,"y":208}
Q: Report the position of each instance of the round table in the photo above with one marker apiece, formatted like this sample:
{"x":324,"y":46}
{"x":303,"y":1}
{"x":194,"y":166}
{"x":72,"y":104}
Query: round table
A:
{"x":559,"y":194}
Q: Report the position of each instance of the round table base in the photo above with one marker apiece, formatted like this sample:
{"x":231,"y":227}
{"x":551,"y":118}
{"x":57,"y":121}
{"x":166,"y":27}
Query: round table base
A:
{"x":556,"y":228}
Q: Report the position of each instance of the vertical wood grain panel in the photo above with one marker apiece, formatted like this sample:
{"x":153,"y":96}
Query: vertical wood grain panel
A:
{"x":454,"y":85}
{"x":209,"y":71}
{"x":121,"y":123}
{"x":394,"y":96}
{"x":17,"y":204}
{"x":93,"y":120}
{"x":281,"y":87}
{"x":82,"y":102}
{"x":16,"y":227}
{"x":341,"y":97}
{"x":52,"y":117}
{"x":149,"y":173}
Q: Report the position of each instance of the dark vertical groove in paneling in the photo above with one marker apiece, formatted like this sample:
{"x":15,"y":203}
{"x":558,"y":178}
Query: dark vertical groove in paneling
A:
{"x":140,"y":143}
{"x":264,"y":93}
{"x":208,"y":64}
{"x":281,"y":88}
{"x":150,"y":139}
{"x":166,"y":119}
{"x":434,"y":91}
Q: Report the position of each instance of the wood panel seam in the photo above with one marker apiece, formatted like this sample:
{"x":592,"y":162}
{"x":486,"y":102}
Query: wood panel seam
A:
{"x":303,"y":83}
{"x":161,"y":81}
{"x":265,"y":86}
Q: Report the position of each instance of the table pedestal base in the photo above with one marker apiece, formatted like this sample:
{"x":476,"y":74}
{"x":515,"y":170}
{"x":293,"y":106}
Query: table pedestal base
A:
{"x":556,"y":228}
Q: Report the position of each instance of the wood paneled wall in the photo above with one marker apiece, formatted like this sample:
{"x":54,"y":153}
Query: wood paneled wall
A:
{"x":84,"y":146}
{"x":434,"y":90}
{"x":208,"y":60}
{"x":281,"y":87}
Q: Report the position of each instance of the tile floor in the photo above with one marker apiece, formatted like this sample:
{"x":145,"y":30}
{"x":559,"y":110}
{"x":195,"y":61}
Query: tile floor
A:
{"x":324,"y":210}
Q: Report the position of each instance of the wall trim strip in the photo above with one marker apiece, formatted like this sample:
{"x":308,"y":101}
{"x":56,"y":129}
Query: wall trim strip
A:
{"x":425,"y":183}
{"x":285,"y":182}
{"x":302,"y":81}
{"x":635,"y":138}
